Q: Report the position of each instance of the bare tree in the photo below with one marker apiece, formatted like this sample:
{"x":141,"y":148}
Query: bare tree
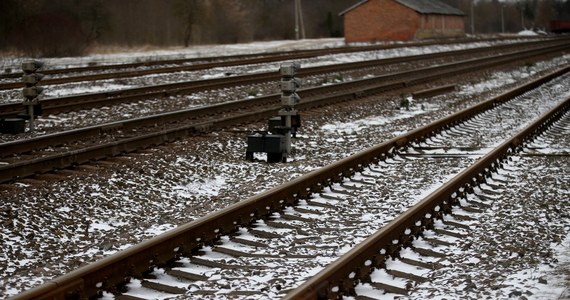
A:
{"x":544,"y":13}
{"x":187,"y":11}
{"x":68,"y":27}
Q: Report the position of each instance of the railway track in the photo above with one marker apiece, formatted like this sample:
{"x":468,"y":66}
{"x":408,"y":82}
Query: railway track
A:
{"x":91,"y":100}
{"x":307,"y":223}
{"x":192,"y":64}
{"x":202,"y":63}
{"x":128,"y":136}
{"x":450,"y":212}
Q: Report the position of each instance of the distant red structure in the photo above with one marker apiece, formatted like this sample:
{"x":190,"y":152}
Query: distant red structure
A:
{"x":559,"y":26}
{"x":401,"y":20}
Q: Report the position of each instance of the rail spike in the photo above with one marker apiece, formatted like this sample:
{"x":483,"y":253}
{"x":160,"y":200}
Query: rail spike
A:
{"x":446,"y":206}
{"x":406,"y":241}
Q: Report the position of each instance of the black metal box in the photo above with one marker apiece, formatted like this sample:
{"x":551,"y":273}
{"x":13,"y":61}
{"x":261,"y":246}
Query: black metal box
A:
{"x":269,"y":143}
{"x":13,"y":126}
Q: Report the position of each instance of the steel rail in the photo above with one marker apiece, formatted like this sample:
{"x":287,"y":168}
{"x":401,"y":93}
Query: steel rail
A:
{"x":137,"y":73}
{"x":241,"y":59}
{"x":228,"y":61}
{"x":76,"y":157}
{"x":26,"y":145}
{"x":339,"y":278}
{"x":85,"y":101}
{"x":387,"y":77}
{"x":112,"y":272}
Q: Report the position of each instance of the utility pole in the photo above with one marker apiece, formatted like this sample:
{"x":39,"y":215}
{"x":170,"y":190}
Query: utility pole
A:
{"x":502,"y":18}
{"x":522,"y":17}
{"x":299,"y":24}
{"x":472,"y":18}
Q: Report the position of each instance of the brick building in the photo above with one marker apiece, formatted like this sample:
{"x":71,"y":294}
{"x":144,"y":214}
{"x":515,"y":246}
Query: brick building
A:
{"x":401,"y":20}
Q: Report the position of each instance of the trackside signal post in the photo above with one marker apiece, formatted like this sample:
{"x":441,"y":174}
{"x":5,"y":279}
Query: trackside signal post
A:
{"x":277,"y":141}
{"x":31,"y":91}
{"x":289,"y":97}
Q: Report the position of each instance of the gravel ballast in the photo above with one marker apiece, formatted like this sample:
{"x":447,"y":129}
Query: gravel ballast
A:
{"x":108,"y":206}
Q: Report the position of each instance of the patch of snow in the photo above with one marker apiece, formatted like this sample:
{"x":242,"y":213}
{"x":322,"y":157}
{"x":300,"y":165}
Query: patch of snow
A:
{"x":551,"y":281}
{"x":209,"y":187}
{"x":157,"y":229}
{"x":527,"y":33}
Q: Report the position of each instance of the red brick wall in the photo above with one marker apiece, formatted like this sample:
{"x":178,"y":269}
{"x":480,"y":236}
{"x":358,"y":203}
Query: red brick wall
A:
{"x":382,"y":20}
{"x":442,"y":22}
{"x":455,"y":22}
{"x":379,"y":20}
{"x":434,"y":26}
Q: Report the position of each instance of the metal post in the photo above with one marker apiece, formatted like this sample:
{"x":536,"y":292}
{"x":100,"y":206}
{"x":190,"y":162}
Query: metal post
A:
{"x":472,"y":18}
{"x":502,"y":18}
{"x":277,"y":144}
{"x":289,"y":98}
{"x":296,"y":19}
{"x":299,"y":24}
{"x":31,"y":114}
{"x":288,"y":135}
{"x":31,"y":91}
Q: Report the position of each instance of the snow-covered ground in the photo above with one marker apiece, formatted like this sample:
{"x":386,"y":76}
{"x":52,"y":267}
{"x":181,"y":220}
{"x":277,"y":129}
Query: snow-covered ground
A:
{"x":142,"y":195}
{"x":131,"y":56}
{"x":14,"y":95}
{"x":198,"y":51}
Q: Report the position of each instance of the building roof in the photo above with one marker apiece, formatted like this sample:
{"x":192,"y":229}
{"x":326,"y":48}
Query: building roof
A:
{"x":352,"y":7}
{"x":431,"y":7}
{"x":420,"y":6}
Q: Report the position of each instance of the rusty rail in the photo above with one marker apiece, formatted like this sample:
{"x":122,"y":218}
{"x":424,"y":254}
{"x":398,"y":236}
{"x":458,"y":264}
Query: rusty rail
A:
{"x":240,"y":59}
{"x":234,"y":60}
{"x":434,"y":91}
{"x":350,"y":90}
{"x":229,"y":60}
{"x":85,"y":101}
{"x":113,"y":271}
